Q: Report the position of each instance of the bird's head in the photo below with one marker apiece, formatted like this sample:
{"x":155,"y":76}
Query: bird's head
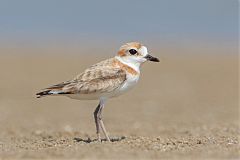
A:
{"x":135,"y":53}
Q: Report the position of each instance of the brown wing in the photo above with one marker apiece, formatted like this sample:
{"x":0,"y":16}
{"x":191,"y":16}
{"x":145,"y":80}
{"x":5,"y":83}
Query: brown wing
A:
{"x":96,"y":80}
{"x":102,"y":77}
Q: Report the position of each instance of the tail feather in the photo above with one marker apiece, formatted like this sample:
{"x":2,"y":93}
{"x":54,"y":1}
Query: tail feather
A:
{"x":54,"y":90}
{"x":50,"y":92}
{"x":44,"y":93}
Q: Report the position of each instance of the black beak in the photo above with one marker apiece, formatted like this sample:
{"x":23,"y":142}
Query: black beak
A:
{"x":151,"y":58}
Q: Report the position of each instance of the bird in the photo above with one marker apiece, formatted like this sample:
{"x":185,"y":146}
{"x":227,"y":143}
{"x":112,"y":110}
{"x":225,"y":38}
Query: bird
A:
{"x":104,"y":80}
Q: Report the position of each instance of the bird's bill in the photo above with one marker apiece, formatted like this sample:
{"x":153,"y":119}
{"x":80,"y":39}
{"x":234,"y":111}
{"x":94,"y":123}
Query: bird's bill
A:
{"x":151,"y":58}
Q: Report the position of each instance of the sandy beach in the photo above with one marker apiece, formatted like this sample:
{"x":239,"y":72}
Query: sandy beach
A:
{"x":184,"y":107}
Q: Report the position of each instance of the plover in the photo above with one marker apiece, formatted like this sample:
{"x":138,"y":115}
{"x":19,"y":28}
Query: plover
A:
{"x":104,"y":80}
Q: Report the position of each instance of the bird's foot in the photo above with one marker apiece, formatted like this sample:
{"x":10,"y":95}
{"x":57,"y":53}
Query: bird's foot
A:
{"x":108,"y":139}
{"x":99,"y":137}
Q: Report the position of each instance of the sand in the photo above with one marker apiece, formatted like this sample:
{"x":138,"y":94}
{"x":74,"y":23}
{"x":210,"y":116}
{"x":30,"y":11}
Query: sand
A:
{"x":185,"y":107}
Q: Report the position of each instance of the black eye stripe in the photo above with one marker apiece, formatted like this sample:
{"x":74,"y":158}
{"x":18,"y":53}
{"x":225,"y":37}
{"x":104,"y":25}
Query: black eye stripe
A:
{"x":132,"y":51}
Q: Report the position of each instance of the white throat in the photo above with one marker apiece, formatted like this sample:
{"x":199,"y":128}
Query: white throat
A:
{"x":134,"y":65}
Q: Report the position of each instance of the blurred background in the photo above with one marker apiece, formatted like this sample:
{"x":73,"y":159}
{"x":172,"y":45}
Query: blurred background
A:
{"x":193,"y":90}
{"x":107,"y":24}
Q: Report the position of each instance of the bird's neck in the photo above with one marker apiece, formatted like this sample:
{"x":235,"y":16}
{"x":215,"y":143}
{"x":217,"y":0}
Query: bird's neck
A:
{"x":133,"y":65}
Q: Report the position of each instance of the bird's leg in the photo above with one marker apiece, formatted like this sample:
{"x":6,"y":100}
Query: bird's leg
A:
{"x":104,"y":131}
{"x":101,"y":121}
{"x":96,"y":113}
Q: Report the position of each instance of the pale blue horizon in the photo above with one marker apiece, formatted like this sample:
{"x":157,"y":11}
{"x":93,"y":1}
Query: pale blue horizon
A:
{"x":40,"y":23}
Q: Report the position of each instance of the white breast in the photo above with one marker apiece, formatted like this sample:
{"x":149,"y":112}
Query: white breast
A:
{"x":130,"y":82}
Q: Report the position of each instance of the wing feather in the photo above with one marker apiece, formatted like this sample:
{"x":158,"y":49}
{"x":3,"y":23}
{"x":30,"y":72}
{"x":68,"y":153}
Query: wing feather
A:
{"x":99,"y":78}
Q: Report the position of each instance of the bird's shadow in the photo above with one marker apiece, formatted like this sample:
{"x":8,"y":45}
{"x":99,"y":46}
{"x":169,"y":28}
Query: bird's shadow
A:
{"x":88,"y":140}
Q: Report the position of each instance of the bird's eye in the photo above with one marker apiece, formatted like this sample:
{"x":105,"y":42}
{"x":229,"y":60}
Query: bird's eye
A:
{"x":132,"y":51}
